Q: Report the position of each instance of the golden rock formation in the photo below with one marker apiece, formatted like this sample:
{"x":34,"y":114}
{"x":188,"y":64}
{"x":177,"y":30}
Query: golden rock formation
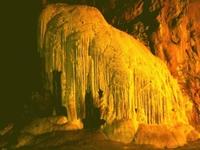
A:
{"x":93,"y":57}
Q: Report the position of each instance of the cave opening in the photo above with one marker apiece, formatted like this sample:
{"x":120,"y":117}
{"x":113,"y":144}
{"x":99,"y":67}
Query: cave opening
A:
{"x":92,"y":119}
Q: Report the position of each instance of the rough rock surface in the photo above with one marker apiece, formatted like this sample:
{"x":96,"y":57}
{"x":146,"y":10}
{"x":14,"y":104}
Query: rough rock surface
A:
{"x":165,"y":136}
{"x":41,"y":126}
{"x":88,"y":62}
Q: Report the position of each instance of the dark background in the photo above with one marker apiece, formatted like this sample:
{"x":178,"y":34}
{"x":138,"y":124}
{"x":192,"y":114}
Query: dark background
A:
{"x":19,"y":74}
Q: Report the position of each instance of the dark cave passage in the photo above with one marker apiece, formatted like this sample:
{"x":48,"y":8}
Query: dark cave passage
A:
{"x":57,"y":98}
{"x":20,"y":74}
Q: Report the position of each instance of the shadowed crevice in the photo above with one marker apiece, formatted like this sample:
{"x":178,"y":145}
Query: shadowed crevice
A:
{"x":92,"y":119}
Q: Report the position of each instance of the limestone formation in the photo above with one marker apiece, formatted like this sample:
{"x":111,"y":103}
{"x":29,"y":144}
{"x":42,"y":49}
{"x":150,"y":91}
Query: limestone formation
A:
{"x":86,"y":58}
{"x":170,"y":28}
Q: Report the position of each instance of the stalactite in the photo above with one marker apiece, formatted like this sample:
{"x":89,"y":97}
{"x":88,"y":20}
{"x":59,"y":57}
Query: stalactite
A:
{"x":93,"y":56}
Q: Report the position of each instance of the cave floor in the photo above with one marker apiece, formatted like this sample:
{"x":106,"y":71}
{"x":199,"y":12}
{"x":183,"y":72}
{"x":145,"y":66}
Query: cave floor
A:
{"x":83,"y":140}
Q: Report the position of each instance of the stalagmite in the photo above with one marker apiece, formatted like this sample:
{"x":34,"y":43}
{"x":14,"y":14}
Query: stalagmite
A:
{"x":127,"y":83}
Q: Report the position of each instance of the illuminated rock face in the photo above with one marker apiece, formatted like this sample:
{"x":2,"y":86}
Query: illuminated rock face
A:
{"x":89,"y":58}
{"x":170,"y":28}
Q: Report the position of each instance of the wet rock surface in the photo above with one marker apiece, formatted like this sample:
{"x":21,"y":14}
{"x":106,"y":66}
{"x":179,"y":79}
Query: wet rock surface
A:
{"x":57,"y":133}
{"x":84,"y":140}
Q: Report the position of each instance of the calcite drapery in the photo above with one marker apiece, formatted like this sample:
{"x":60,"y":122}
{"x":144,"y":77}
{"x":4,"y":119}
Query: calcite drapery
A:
{"x":91,"y":56}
